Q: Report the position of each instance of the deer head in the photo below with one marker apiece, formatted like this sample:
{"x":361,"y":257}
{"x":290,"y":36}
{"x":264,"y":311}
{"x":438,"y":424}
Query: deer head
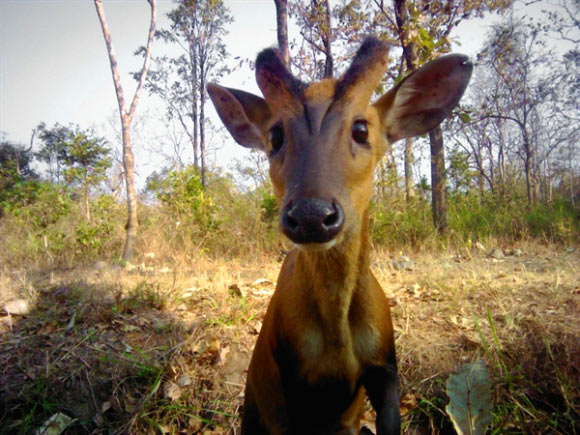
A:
{"x":324,"y":139}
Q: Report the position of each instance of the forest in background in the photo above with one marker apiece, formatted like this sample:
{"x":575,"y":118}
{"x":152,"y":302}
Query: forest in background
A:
{"x":508,"y":168}
{"x":147,"y":300}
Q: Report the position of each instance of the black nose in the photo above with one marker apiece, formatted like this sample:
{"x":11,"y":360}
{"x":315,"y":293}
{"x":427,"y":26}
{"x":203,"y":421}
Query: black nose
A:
{"x":312,"y":220}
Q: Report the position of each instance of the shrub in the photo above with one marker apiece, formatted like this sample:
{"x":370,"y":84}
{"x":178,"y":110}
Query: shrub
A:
{"x":269,"y":206}
{"x":392,"y":226}
{"x":557,"y":221}
{"x":185,"y":199}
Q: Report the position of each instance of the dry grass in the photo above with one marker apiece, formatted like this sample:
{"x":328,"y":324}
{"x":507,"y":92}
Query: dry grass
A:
{"x":149,"y":352}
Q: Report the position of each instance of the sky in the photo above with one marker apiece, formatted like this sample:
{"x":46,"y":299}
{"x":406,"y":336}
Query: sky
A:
{"x":54,"y":66}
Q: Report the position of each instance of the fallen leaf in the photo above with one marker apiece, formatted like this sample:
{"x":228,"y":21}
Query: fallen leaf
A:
{"x":223,"y":355}
{"x":48,"y":328}
{"x":194,"y":425}
{"x":55,"y":425}
{"x":235,"y":290}
{"x":214,"y":345}
{"x":408,"y":403}
{"x":129,"y":403}
{"x":171,"y":391}
{"x":470,"y":403}
{"x":17,"y":307}
{"x":184,"y":381}
{"x":261,"y":282}
{"x":468,"y":343}
{"x":106,"y":406}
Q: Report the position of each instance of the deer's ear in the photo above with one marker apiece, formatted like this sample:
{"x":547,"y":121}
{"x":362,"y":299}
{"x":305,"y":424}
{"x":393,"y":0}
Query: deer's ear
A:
{"x":425,"y":98}
{"x":246,"y":116}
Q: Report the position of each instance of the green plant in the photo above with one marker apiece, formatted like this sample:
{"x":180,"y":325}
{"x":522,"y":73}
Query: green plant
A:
{"x":394,"y":227}
{"x":144,"y":295}
{"x":269,"y":206}
{"x":90,"y":238}
{"x":185,"y":199}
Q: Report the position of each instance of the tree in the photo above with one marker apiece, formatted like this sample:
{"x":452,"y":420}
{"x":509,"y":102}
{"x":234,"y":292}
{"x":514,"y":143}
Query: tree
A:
{"x":282,"y":30}
{"x":423,"y":29}
{"x":522,"y":129}
{"x":314,"y":20}
{"x":15,"y":173}
{"x":126,"y":119}
{"x":53,"y":151}
{"x":198,"y":28}
{"x":412,"y":63}
{"x":511,"y":54}
{"x":87,"y":160}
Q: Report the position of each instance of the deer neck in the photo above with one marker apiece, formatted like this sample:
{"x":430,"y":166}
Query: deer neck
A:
{"x":335,"y":276}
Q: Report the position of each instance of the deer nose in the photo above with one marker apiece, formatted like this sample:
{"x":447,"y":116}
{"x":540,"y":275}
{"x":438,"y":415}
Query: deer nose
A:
{"x":312,"y":220}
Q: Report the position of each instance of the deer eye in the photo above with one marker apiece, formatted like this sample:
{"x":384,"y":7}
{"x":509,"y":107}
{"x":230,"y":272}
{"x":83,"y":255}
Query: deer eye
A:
{"x":360,"y":132}
{"x":276,"y":137}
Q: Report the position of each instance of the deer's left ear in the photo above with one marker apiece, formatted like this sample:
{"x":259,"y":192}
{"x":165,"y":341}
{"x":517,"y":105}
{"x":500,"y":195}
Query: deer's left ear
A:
{"x":425,"y":98}
{"x":246,"y":116}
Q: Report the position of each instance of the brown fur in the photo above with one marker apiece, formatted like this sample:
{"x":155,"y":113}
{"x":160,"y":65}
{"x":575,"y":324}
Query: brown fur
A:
{"x":327,"y":337}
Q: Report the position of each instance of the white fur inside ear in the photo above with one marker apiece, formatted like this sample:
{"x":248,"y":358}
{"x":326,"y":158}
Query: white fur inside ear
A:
{"x":234,"y":117}
{"x":426,"y":97}
{"x":399,"y":109}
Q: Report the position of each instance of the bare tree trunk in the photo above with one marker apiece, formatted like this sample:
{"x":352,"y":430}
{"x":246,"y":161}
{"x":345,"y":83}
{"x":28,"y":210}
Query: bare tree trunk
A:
{"x":326,"y":41}
{"x":193,"y":54}
{"x":550,"y":184}
{"x":571,"y":173}
{"x":409,"y":48}
{"x":202,"y":123}
{"x":412,"y":63}
{"x":282,"y":30}
{"x":528,"y":173}
{"x":86,"y":194}
{"x":392,"y":168}
{"x":438,"y":180}
{"x":202,"y":134}
{"x":126,"y":118}
{"x":132,"y":203}
{"x":409,"y":160}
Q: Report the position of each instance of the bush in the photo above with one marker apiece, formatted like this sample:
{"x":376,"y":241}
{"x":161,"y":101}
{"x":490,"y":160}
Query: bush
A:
{"x":185,"y":199}
{"x":49,"y":204}
{"x":269,"y":206}
{"x":392,"y":226}
{"x":558,"y":221}
{"x":476,"y":217}
{"x":50,"y":228}
{"x":484,"y":216}
{"x":218,"y":220}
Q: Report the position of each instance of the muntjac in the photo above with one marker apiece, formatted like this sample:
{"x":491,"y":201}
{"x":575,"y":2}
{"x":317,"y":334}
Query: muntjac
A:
{"x":327,"y":336}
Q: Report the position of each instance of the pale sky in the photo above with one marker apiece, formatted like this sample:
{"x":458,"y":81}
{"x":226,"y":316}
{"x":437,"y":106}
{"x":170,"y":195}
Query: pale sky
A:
{"x":54,"y":65}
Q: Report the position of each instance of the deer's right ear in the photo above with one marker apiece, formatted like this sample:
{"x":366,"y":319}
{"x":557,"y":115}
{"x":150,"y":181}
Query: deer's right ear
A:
{"x":246,"y":116}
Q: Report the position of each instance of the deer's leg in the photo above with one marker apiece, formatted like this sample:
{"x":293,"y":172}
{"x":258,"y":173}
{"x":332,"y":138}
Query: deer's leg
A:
{"x":382,"y":386}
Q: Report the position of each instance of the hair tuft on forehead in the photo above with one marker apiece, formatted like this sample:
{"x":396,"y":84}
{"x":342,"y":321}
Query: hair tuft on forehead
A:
{"x":367,"y":68}
{"x":272,"y":73}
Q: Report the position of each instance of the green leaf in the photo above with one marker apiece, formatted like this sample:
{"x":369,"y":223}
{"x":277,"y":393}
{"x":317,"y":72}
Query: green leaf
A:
{"x":425,"y":39}
{"x":470,"y":404}
{"x":464,"y":116}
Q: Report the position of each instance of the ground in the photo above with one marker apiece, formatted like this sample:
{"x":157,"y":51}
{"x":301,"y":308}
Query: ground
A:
{"x":164,"y":347}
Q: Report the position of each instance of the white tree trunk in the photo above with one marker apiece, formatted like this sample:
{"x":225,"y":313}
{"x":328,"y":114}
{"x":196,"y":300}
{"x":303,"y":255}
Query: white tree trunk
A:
{"x":126,"y":118}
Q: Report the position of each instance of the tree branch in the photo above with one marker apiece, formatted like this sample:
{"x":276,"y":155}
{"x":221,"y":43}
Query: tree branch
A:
{"x":145,"y":68}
